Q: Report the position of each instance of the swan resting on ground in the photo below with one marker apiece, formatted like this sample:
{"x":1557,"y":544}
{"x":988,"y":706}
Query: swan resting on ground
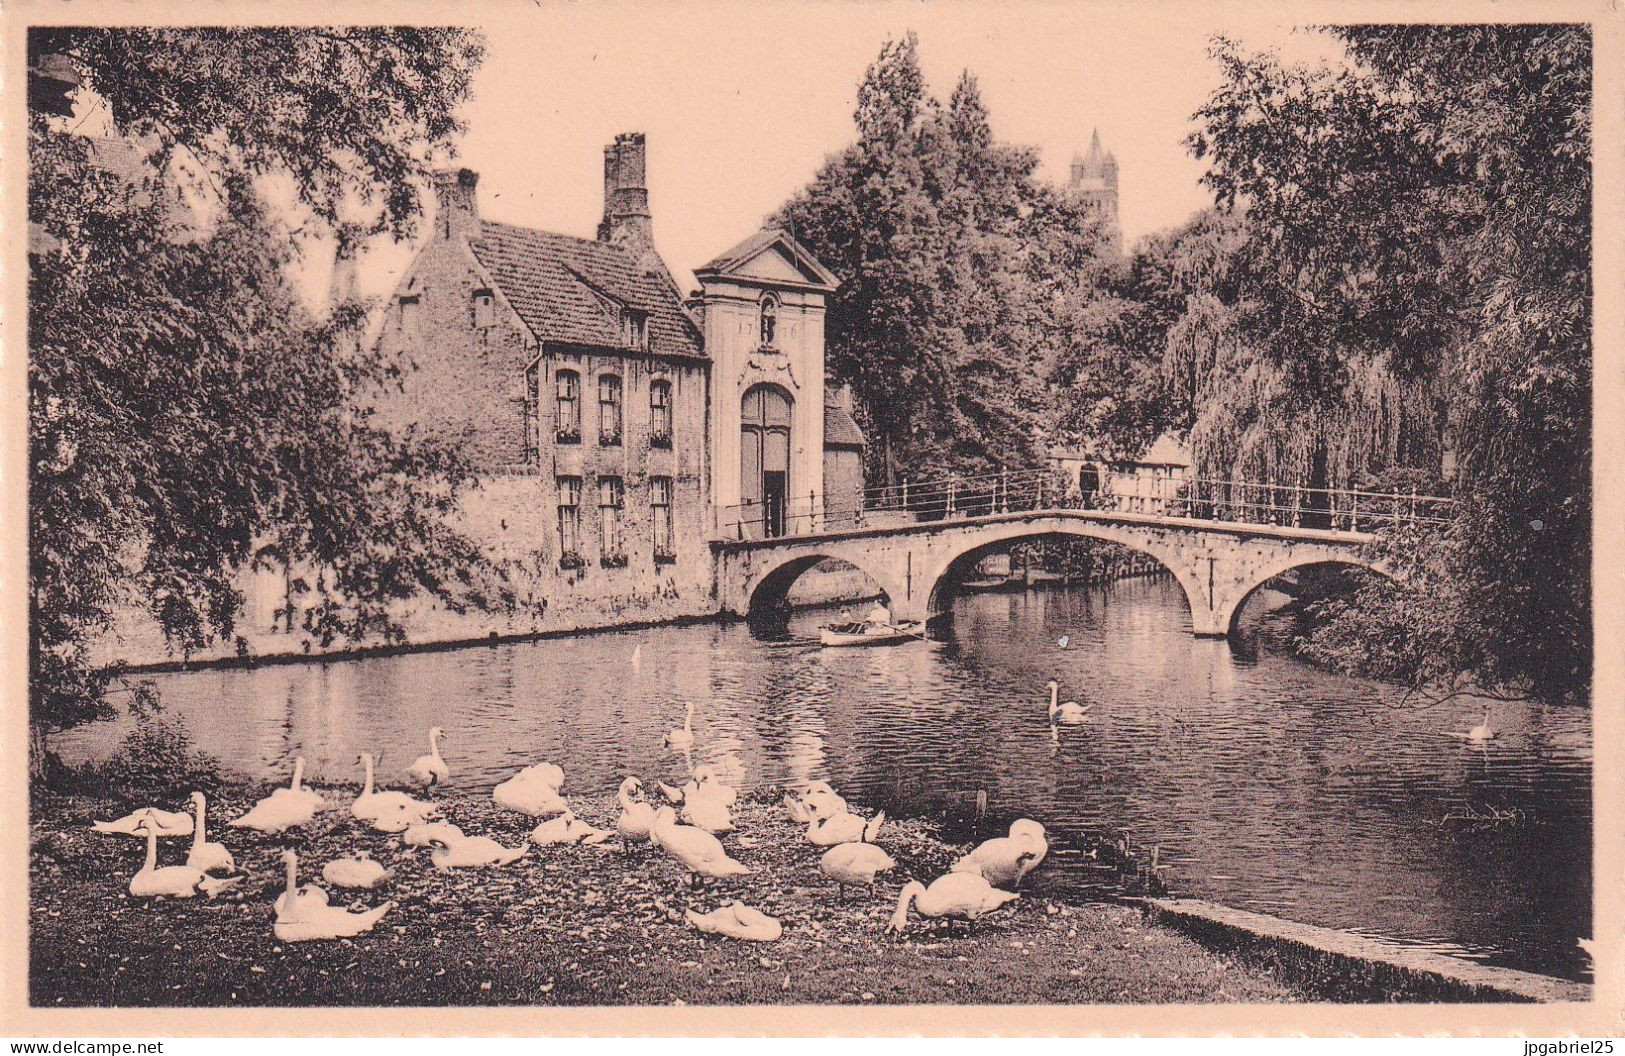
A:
{"x":533,"y":791}
{"x":1006,"y":859}
{"x":285,"y":808}
{"x":303,"y":915}
{"x":738,"y":921}
{"x":964,"y":895}
{"x":636,"y":816}
{"x":844,"y":828}
{"x":358,"y":870}
{"x":854,"y":865}
{"x":1070,"y":712}
{"x":473,"y":852}
{"x":430,"y":770}
{"x":204,"y":855}
{"x":173,"y":881}
{"x":427,"y":833}
{"x":698,"y":851}
{"x":162,"y":822}
{"x":370,"y":805}
{"x":568,"y":829}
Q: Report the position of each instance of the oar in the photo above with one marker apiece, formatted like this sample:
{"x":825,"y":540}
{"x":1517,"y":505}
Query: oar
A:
{"x":911,"y":634}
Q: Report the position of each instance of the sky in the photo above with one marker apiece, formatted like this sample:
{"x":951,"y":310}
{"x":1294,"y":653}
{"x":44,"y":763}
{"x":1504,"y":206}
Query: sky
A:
{"x":741,"y":104}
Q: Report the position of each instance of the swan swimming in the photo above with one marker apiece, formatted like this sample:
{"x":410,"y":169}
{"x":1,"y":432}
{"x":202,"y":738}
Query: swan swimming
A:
{"x":430,"y":770}
{"x":1071,"y":712}
{"x":683,"y":738}
{"x":963,"y":895}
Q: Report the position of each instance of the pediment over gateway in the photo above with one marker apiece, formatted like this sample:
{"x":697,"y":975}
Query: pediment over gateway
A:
{"x":770,"y":256}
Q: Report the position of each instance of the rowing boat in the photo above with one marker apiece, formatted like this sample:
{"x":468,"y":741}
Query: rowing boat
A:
{"x":843,"y":634}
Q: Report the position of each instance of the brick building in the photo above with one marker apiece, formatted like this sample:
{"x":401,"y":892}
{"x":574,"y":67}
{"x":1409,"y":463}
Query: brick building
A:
{"x":617,"y":426}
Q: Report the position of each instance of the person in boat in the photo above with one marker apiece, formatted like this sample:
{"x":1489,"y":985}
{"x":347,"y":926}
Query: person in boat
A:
{"x":879,"y":616}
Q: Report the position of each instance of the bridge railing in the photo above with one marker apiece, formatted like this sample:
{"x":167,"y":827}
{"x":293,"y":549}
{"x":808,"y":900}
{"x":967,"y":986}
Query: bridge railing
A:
{"x":1015,"y":491}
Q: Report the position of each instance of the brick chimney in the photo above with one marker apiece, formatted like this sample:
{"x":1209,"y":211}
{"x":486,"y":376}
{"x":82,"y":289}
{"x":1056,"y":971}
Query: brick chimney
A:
{"x":457,"y":209}
{"x":626,"y":195}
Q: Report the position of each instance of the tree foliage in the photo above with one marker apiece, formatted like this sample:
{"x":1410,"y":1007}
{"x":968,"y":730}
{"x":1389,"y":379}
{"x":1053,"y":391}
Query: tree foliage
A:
{"x":960,"y":275}
{"x":1410,"y":280}
{"x":188,"y":416}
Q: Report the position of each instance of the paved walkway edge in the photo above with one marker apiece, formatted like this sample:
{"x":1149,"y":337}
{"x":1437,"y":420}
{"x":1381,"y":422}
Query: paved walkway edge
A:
{"x":1350,"y":966}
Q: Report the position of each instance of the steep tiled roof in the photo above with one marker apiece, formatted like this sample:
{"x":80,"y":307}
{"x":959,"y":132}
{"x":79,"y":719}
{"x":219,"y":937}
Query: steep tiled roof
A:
{"x":550,"y":281}
{"x":839,"y":428}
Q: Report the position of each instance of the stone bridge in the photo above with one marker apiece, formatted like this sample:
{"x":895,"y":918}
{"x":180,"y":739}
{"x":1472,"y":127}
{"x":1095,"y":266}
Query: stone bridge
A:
{"x":919,"y":565}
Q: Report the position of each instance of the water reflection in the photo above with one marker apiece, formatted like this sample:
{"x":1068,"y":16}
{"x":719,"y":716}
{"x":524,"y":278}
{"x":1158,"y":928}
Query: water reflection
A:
{"x":1266,"y":784}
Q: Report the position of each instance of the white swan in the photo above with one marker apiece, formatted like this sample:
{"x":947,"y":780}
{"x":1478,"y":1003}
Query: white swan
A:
{"x":173,"y":881}
{"x":162,"y":822}
{"x":707,"y":783}
{"x":821,"y":801}
{"x":566,"y":829}
{"x":425,"y":834}
{"x":683,"y":738}
{"x":358,"y":870}
{"x":370,"y":805}
{"x":1481,"y":732}
{"x":699,"y":852}
{"x":473,"y":852}
{"x":709,"y":813}
{"x":284,"y":808}
{"x":636,"y":816}
{"x":303,"y":915}
{"x":1071,"y":712}
{"x":844,"y":828}
{"x":204,"y":855}
{"x":854,"y":865}
{"x":533,"y":791}
{"x":964,"y":895}
{"x":1006,"y":859}
{"x":738,"y":921}
{"x":430,"y":770}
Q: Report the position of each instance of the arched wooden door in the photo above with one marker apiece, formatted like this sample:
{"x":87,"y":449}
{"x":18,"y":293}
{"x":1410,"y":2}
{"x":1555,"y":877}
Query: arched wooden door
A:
{"x":764,"y":459}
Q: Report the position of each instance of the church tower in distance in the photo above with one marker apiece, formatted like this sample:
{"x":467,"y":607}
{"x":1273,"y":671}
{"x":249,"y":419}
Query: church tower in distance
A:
{"x":1094,"y":179}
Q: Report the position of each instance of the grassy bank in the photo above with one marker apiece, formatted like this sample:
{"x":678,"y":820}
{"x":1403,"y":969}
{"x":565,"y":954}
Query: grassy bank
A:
{"x":571,"y":925}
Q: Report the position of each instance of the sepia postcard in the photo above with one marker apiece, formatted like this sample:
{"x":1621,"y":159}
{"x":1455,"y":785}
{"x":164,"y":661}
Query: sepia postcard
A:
{"x":835,"y":518}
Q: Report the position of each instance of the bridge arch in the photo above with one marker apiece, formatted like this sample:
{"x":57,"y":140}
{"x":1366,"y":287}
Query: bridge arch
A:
{"x":945,"y":574}
{"x":1232,"y":602}
{"x":769,"y":589}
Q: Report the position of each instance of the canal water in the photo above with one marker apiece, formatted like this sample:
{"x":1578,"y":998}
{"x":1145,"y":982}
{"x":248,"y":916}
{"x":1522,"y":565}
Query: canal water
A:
{"x":1266,"y":784}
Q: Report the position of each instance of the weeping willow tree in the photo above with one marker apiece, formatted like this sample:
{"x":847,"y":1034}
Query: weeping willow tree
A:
{"x":1414,"y":281}
{"x":1252,"y":415}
